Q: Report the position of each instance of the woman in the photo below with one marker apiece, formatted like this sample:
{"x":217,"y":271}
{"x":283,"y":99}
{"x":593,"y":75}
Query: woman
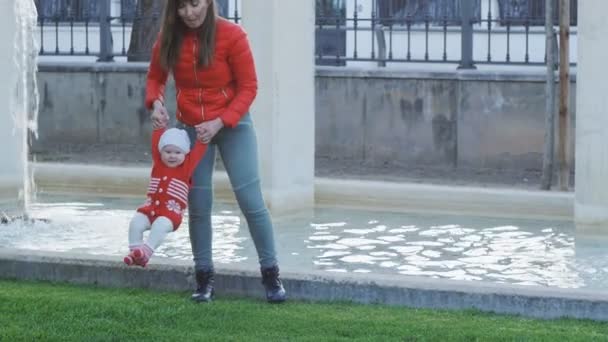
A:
{"x":214,"y":74}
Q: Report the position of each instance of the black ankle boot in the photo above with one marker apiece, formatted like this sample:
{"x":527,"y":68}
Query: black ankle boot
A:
{"x":275,"y":293}
{"x":204,"y":290}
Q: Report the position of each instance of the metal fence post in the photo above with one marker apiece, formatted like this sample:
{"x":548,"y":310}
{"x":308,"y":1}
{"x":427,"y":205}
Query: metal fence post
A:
{"x":379,"y":31}
{"x":106,"y":48}
{"x":467,"y":14}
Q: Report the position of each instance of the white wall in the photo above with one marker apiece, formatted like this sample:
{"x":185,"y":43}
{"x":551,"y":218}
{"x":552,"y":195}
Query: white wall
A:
{"x":284,"y":110}
{"x":591,"y":201}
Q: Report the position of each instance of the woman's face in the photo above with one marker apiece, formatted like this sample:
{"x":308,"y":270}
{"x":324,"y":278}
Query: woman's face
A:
{"x":193,"y":12}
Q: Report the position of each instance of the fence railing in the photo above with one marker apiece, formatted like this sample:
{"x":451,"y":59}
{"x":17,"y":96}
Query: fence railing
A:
{"x":376,"y":32}
{"x":99,"y":28}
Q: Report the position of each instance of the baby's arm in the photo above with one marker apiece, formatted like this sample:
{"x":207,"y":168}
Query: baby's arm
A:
{"x":196,"y":154}
{"x":156,"y":134}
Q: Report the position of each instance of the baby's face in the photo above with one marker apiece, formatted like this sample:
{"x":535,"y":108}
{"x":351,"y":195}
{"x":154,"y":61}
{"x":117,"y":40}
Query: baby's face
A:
{"x":172,"y":156}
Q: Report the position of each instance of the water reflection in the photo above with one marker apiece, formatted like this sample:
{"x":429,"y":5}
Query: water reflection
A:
{"x":98,"y":228}
{"x":501,"y":253}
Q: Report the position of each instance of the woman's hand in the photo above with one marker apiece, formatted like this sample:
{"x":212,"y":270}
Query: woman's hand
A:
{"x":160,"y":116}
{"x":208,"y":129}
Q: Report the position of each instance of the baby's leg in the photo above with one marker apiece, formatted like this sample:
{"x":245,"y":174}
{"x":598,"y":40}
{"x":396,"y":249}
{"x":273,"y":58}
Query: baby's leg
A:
{"x":139,"y":224}
{"x":159,"y":230}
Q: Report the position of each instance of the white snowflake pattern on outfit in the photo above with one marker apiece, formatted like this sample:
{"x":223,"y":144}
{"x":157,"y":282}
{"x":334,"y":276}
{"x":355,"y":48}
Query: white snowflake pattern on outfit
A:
{"x":172,"y":205}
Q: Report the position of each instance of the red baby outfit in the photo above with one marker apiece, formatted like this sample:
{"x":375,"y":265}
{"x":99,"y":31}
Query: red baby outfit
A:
{"x":169,"y":186}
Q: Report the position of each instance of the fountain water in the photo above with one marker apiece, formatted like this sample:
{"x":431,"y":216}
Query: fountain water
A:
{"x":19,"y":96}
{"x":543,"y":252}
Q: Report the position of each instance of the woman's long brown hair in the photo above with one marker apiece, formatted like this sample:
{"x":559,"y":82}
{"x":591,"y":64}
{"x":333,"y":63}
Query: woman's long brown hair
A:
{"x":172,"y":33}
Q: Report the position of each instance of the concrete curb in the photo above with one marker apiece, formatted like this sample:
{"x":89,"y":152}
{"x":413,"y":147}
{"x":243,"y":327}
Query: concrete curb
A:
{"x":167,"y":274}
{"x":368,"y":195}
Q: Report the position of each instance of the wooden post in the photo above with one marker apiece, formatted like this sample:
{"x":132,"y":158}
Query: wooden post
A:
{"x":564,"y":93}
{"x":548,"y":155}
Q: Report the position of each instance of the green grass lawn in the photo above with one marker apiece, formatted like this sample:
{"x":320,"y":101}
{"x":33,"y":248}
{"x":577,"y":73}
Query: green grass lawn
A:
{"x":43,"y":311}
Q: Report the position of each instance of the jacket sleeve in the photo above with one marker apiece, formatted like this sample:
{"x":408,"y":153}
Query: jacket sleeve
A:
{"x":156,"y":134}
{"x":242,"y":66}
{"x":157,"y":77}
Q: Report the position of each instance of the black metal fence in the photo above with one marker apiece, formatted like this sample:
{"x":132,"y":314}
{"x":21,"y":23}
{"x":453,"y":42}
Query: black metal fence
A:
{"x":99,"y":28}
{"x":463,"y":32}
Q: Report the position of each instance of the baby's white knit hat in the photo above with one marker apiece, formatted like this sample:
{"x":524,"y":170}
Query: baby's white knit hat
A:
{"x":176,"y":137}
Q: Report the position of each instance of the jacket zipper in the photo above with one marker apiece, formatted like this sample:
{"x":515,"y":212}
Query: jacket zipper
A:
{"x":200,"y":91}
{"x":224,"y":92}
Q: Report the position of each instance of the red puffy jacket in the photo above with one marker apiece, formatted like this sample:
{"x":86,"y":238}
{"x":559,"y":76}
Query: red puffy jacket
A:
{"x":225,"y":89}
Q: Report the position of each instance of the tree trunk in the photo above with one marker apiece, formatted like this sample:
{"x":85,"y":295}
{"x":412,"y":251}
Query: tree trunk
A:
{"x":564,"y":94}
{"x":549,"y":150}
{"x":146,"y":25}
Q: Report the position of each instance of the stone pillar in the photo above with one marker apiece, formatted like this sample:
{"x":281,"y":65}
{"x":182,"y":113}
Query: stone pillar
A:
{"x":591,"y":194}
{"x":15,"y":90}
{"x":281,"y":33}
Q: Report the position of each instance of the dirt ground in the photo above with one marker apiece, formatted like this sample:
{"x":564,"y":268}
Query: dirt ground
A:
{"x":138,"y":155}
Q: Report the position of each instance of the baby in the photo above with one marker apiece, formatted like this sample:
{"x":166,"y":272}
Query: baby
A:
{"x":172,"y":168}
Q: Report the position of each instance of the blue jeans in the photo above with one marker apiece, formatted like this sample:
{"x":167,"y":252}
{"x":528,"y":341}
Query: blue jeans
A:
{"x":238,"y":149}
